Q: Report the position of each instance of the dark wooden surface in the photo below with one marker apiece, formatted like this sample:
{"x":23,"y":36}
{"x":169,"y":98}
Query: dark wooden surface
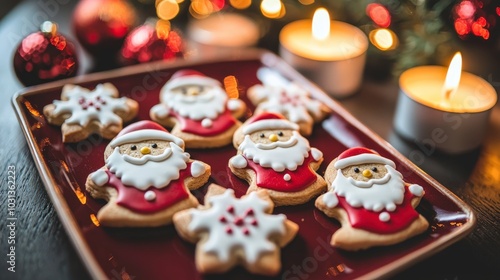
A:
{"x":43,"y":250}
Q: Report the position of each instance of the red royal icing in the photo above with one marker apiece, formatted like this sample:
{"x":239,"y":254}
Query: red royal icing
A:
{"x":221,"y":124}
{"x":368,"y":220}
{"x":301,"y":177}
{"x":133,"y":198}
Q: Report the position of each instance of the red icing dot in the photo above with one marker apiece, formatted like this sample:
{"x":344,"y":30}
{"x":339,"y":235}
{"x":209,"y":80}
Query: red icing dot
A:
{"x":81,"y":100}
{"x":97,"y":107}
{"x":90,"y":103}
{"x":84,"y":107}
{"x":222,"y":219}
{"x":238,"y":221}
{"x":254,"y":222}
{"x":249,"y":212}
{"x":229,"y":230}
{"x":246,"y":231}
{"x":230,"y":209}
{"x":98,"y":98}
{"x":103,"y":102}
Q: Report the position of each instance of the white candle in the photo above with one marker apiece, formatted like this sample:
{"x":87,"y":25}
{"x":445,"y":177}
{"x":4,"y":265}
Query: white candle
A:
{"x":222,"y":31}
{"x":445,"y":112}
{"x":330,"y":53}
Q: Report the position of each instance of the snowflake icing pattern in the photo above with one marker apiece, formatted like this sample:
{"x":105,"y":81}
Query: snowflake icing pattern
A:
{"x":291,"y":101}
{"x":85,"y":106}
{"x":238,"y":223}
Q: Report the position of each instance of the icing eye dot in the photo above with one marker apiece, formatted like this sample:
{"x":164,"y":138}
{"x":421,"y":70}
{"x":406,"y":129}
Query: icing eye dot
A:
{"x":154,"y":146}
{"x":374,"y":169}
{"x":184,"y":90}
{"x":133,"y":148}
{"x":280,"y":133}
{"x":262,"y":135}
{"x":356,"y":170}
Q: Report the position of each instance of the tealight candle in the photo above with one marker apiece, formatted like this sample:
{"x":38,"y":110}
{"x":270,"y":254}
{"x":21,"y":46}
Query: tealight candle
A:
{"x":444,"y":109}
{"x":330,"y":53}
{"x":220,"y":32}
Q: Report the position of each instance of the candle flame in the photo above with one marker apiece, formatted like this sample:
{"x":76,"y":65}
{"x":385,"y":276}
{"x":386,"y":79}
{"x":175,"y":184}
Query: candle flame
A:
{"x":321,"y":24}
{"x":453,"y":76}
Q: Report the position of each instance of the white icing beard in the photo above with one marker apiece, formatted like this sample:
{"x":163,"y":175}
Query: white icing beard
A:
{"x":277,"y":155}
{"x":147,"y":171}
{"x":376,"y":194}
{"x":208,"y":104}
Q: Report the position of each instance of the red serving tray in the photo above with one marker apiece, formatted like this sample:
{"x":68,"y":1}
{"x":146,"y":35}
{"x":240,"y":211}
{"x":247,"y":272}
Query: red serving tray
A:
{"x":159,"y":253}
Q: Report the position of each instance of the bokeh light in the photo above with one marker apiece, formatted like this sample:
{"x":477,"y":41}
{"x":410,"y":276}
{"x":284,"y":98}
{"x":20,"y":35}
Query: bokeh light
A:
{"x":167,"y":9}
{"x":240,"y":4}
{"x":272,"y":8}
{"x":379,"y":14}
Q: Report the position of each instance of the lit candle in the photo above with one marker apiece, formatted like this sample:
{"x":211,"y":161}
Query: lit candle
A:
{"x":222,"y":31}
{"x":444,"y":109}
{"x":330,"y":53}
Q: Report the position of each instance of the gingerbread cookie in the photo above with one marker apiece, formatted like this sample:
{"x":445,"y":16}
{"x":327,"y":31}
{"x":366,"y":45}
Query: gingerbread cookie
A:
{"x":198,"y":109}
{"x":231,"y":231}
{"x":82,"y":112}
{"x":371,"y":200}
{"x":146,"y":178}
{"x":281,"y":96}
{"x":272,"y":155}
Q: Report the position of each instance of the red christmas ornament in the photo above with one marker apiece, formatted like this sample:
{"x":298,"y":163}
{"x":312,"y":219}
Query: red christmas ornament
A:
{"x":102,"y":25}
{"x":45,"y":56}
{"x":151,"y":42}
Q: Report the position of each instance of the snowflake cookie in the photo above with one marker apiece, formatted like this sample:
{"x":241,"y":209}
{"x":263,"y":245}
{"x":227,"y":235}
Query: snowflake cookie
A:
{"x":231,"y":231}
{"x":371,"y":200}
{"x":281,"y":96}
{"x":82,"y":112}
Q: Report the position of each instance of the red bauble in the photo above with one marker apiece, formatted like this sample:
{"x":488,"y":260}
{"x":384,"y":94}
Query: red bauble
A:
{"x":102,"y":25}
{"x":45,"y":56}
{"x":151,"y":42}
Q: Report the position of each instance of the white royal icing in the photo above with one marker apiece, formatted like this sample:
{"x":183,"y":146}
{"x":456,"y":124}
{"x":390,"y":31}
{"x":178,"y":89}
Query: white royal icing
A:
{"x":238,"y":161}
{"x":330,"y":199}
{"x":197,"y":169}
{"x":150,"y":196}
{"x":416,"y":190}
{"x":316,"y":154}
{"x":160,"y":111}
{"x":99,"y":177}
{"x":384,"y":217}
{"x":206,"y":123}
{"x":237,"y":223}
{"x":84,"y":106}
{"x":234,"y":104}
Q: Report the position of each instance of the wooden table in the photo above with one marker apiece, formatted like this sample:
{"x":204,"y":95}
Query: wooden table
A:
{"x":43,"y":250}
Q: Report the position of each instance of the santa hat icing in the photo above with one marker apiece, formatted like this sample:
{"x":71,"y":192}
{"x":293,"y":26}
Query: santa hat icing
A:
{"x":189,"y":77}
{"x":360,"y":155}
{"x":267,"y":121}
{"x":142,"y":131}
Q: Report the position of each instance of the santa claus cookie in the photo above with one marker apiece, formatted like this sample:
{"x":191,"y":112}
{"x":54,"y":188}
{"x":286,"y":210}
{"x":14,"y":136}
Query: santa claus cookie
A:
{"x":272,"y":155}
{"x":146,"y":178}
{"x":371,"y":200}
{"x":82,"y":112}
{"x":231,"y":231}
{"x":198,"y":109}
{"x":290,"y":100}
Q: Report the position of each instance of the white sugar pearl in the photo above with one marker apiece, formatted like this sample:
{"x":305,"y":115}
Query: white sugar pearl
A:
{"x":150,"y":196}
